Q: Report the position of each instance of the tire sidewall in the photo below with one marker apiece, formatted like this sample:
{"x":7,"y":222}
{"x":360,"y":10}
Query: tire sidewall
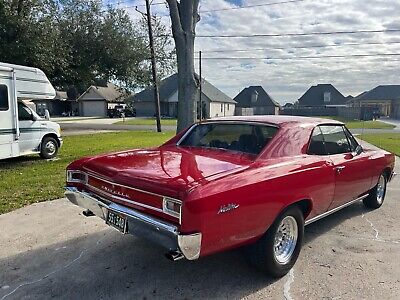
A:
{"x":43,"y":153}
{"x":282,"y":269}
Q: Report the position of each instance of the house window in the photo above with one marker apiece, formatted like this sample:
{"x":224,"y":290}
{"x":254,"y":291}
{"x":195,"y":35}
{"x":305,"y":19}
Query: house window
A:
{"x":327,"y":97}
{"x":228,"y":106}
{"x":222,"y":107}
{"x":3,"y":97}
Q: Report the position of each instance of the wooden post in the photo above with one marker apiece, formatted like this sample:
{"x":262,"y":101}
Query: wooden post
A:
{"x":153,"y":68}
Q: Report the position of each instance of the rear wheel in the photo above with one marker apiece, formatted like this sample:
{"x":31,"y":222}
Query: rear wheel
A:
{"x":377,"y":194}
{"x":48,"y":148}
{"x":277,"y":251}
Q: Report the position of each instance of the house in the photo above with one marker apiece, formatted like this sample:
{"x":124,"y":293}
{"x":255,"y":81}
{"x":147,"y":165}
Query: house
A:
{"x":384,"y":99}
{"x":322,"y":95}
{"x":95,"y":101}
{"x":58,"y":106}
{"x":215,"y":102}
{"x":254,"y":100}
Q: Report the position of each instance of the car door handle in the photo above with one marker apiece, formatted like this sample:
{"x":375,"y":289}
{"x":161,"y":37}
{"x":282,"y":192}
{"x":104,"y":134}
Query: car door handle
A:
{"x":339,"y":169}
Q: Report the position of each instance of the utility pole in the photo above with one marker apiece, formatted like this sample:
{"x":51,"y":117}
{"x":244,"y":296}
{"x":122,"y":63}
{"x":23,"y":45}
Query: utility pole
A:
{"x":201,"y":90}
{"x":153,"y":68}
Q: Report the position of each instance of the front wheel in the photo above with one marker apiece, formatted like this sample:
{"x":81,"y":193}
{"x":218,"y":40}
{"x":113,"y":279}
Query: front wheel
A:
{"x":377,"y":194}
{"x":277,"y":251}
{"x":49,"y":148}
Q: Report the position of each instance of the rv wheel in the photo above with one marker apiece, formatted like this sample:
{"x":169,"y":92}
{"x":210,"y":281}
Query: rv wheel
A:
{"x":48,"y":148}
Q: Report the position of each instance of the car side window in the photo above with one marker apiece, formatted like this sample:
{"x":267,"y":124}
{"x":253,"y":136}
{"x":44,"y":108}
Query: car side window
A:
{"x":4,"y":97}
{"x":24,"y":114}
{"x":336,"y":141}
{"x":353,"y":142}
{"x":317,"y":145}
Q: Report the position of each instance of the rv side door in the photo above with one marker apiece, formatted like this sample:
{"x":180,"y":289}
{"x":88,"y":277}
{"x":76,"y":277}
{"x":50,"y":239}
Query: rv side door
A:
{"x":7,"y":128}
{"x":30,"y":129}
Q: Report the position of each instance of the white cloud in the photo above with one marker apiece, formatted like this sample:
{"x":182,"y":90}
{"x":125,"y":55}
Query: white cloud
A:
{"x":287,"y":80}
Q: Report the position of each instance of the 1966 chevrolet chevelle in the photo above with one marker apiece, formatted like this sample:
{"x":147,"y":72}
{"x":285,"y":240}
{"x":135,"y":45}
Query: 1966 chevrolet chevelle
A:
{"x":231,"y":182}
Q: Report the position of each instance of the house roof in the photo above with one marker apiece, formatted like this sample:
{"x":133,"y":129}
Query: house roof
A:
{"x":381,"y":92}
{"x":314,"y":96}
{"x":169,"y":86}
{"x":244,"y":97}
{"x":110,"y":93}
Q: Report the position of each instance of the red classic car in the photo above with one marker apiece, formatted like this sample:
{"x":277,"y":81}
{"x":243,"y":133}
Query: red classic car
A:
{"x":232,"y":182}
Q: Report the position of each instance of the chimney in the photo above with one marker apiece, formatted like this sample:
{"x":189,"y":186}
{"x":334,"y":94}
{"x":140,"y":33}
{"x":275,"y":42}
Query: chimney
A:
{"x":254,"y":96}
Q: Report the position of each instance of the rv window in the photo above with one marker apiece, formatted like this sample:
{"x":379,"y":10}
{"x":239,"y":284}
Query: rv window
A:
{"x":24,"y":113}
{"x":3,"y":97}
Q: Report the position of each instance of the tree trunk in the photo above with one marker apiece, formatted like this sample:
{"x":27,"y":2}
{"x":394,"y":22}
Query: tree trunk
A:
{"x":184,"y":17}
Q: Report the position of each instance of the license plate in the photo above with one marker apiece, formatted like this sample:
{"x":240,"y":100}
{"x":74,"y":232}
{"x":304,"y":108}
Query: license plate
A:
{"x":117,"y":221}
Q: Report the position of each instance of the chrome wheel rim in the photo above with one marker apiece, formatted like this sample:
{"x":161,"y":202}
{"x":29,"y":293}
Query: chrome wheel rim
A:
{"x":380,"y":189}
{"x":285,"y":240}
{"x":50,"y":148}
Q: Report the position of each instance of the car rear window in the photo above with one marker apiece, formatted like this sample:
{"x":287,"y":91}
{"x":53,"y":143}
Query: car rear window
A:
{"x":247,"y":138}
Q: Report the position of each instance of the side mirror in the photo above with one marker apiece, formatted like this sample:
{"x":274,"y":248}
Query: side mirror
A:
{"x":358,"y":150}
{"x":47,"y":115}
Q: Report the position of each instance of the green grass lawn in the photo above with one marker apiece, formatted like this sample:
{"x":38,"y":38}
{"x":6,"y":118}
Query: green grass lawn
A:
{"x":357,"y":124}
{"x":29,"y":179}
{"x":147,"y":121}
{"x":387,"y":141}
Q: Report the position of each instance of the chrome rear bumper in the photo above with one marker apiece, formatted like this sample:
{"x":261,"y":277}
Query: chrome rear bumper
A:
{"x":158,"y":231}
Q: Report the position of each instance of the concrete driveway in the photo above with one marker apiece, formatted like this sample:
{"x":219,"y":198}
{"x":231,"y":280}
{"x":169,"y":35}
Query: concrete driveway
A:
{"x":49,"y":250}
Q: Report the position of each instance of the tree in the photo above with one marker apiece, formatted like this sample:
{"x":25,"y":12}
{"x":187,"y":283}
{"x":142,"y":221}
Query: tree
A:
{"x":79,"y":42}
{"x":29,"y":34}
{"x":184,"y":17}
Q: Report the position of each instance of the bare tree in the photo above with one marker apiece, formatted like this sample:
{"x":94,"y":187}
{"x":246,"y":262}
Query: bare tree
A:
{"x":184,"y":17}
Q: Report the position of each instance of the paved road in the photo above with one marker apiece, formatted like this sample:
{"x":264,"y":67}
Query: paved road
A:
{"x":94,"y":127}
{"x":394,"y":122}
{"x":49,"y":250}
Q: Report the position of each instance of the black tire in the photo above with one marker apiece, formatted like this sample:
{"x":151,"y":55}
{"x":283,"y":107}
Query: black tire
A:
{"x":262,"y":254}
{"x":377,"y":194}
{"x":48,"y":148}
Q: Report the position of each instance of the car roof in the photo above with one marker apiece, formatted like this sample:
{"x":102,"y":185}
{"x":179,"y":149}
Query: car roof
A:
{"x":277,"y":120}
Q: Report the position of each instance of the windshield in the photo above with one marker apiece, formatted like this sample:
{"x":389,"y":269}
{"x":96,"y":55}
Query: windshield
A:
{"x":247,"y":138}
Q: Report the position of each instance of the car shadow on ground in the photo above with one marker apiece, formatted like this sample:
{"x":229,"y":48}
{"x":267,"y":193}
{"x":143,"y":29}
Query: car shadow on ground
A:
{"x":110,"y":265}
{"x":314,"y":230}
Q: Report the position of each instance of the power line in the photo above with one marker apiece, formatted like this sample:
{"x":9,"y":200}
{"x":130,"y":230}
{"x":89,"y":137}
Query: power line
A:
{"x":302,"y":57}
{"x":228,"y":8}
{"x":250,"y":6}
{"x":299,"y":47}
{"x":297,"y":34}
{"x":139,"y":5}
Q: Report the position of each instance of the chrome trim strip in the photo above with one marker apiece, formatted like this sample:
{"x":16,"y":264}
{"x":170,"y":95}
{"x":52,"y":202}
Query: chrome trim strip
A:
{"x":125,"y":200}
{"x":329,"y":212}
{"x":128,"y":187}
{"x":186,"y":134}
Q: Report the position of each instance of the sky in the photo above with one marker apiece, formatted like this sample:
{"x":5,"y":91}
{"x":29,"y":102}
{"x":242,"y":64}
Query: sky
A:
{"x":286,"y":74}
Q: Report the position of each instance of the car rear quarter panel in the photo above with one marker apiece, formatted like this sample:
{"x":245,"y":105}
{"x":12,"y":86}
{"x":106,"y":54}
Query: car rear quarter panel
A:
{"x":262,"y":192}
{"x":380,"y":161}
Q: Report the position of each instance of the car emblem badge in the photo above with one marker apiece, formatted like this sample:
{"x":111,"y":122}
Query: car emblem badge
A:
{"x":114,"y":192}
{"x":228,"y":207}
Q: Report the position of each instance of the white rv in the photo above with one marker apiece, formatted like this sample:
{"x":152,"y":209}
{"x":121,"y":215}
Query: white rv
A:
{"x":22,"y":131}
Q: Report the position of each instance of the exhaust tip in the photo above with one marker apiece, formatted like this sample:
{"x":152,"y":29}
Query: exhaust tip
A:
{"x":174,"y":255}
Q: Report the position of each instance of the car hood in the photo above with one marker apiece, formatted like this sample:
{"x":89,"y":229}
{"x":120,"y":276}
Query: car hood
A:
{"x":166,"y":170}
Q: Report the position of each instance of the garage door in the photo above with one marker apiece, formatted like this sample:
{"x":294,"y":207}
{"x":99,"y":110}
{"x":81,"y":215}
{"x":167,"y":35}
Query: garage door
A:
{"x":94,"y":108}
